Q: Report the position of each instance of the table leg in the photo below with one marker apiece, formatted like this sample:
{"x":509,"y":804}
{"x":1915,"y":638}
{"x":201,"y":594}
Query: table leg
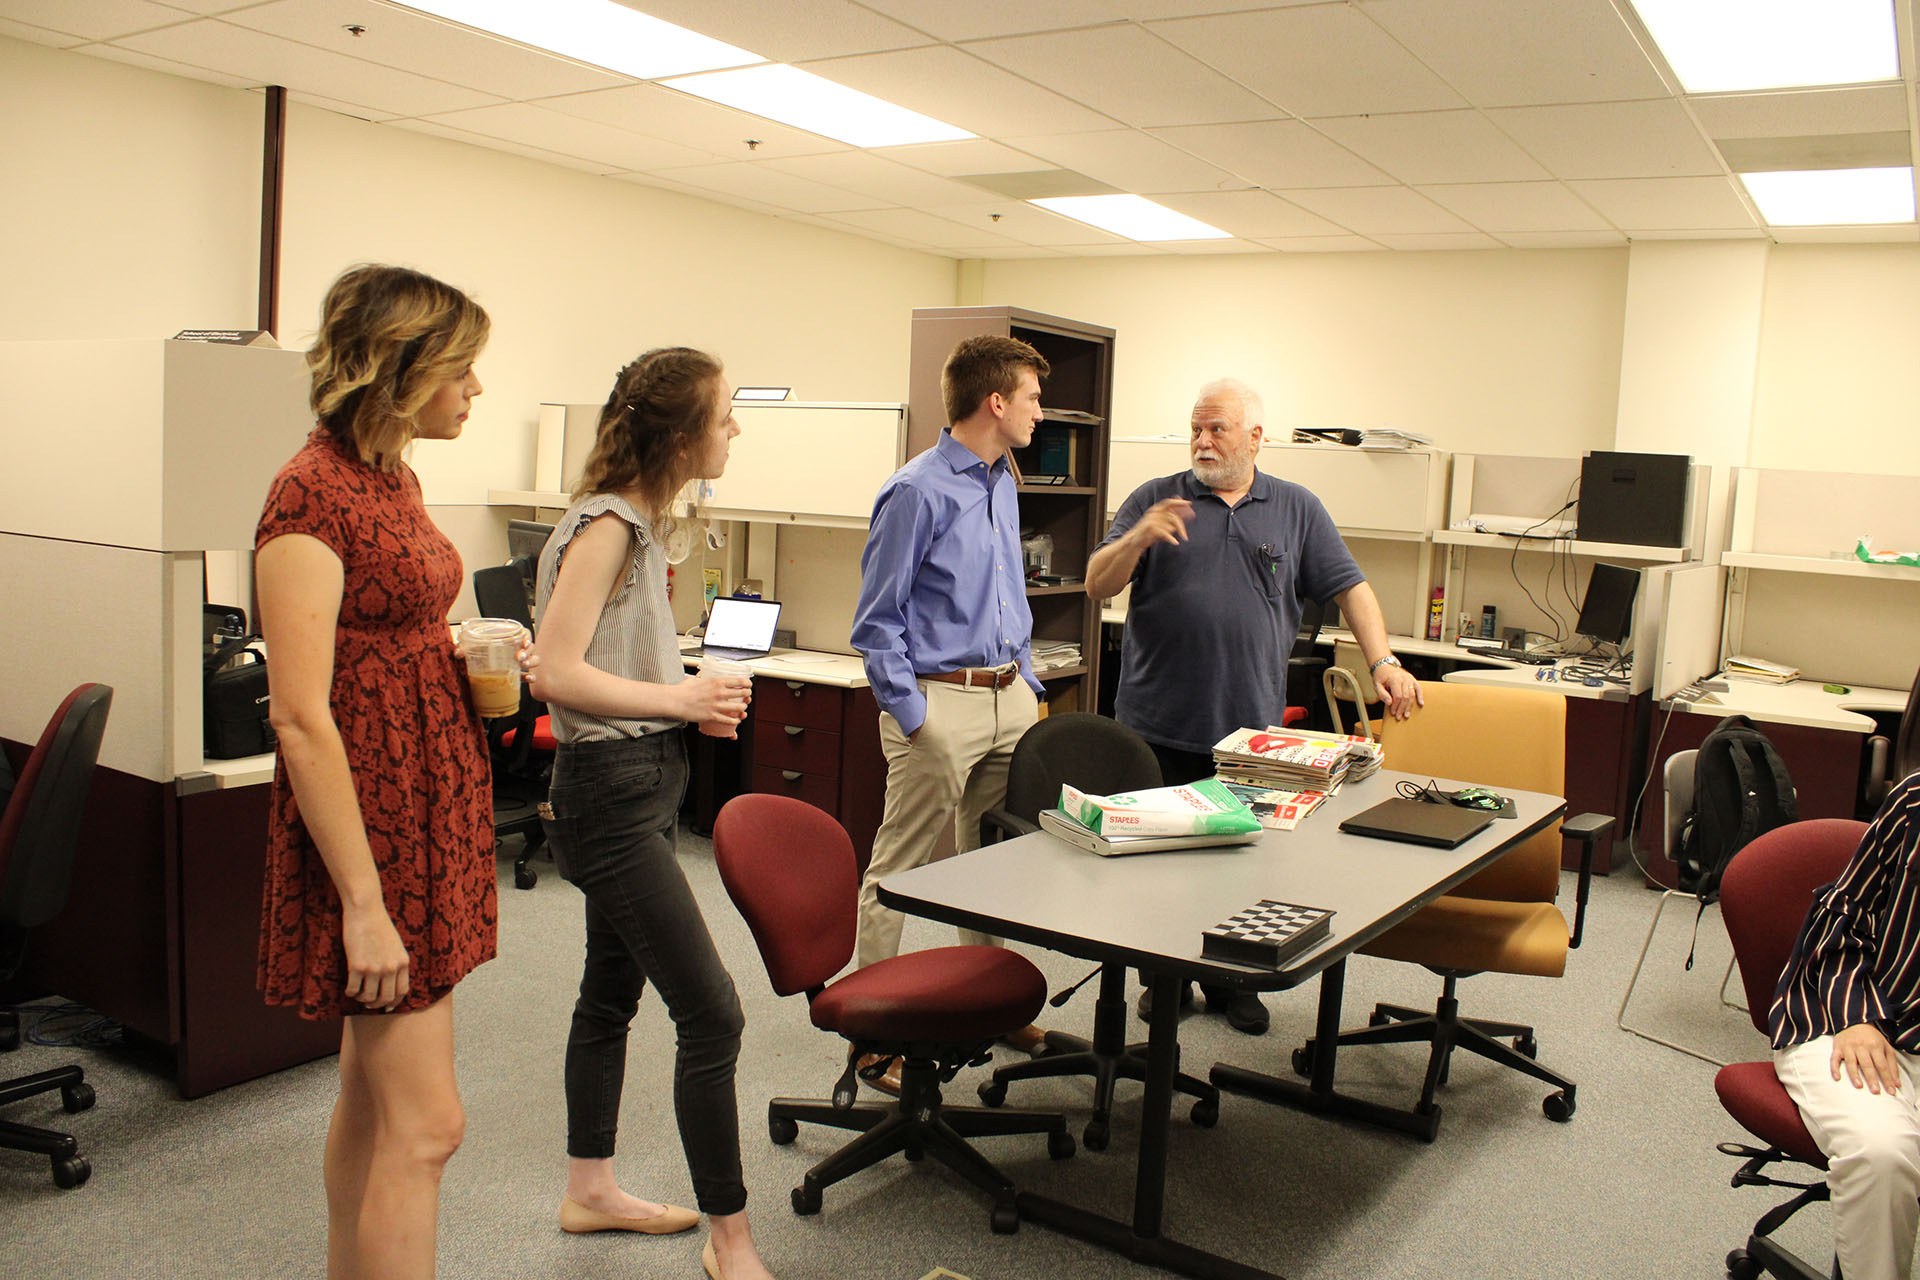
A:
{"x":1318,"y":1094}
{"x":1141,"y":1240}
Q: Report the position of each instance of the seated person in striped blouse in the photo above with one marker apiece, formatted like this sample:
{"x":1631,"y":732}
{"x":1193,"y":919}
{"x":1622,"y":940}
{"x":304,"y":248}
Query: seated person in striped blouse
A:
{"x":1846,"y":1041}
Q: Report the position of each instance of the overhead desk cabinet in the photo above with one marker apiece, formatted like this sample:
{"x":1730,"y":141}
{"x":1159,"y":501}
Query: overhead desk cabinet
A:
{"x":1078,"y":398}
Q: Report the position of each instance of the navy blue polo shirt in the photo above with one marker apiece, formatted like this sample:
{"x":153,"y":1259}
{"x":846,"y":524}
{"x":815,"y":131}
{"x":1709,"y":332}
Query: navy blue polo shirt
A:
{"x":1212,"y":620}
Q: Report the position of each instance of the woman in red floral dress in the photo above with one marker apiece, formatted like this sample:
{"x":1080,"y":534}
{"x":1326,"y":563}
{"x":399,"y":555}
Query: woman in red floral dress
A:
{"x":380,"y":871}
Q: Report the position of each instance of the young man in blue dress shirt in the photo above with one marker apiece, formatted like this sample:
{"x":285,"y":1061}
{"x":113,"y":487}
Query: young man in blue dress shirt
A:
{"x":943,"y":625}
{"x":1219,"y":558}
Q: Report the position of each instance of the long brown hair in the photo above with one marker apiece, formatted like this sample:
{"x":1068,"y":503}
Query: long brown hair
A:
{"x":661,"y":405}
{"x":390,"y":337}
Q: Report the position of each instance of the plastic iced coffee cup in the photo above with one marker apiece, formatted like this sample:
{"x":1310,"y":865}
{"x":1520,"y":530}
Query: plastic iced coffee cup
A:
{"x":721,"y":669}
{"x":491,"y":646}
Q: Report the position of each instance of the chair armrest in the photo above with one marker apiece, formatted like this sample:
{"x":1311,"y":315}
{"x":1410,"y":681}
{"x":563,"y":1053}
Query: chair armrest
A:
{"x":997,"y":825}
{"x":1879,"y":761}
{"x":1587,"y":828}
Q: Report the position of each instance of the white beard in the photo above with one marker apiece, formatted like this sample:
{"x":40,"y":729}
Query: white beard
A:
{"x":1222,"y":474}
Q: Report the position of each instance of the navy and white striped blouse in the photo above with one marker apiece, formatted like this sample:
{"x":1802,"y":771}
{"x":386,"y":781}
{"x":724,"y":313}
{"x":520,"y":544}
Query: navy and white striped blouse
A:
{"x":1858,"y":957}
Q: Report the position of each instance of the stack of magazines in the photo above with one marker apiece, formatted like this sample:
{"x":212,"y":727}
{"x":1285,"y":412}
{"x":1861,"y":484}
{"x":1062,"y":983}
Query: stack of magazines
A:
{"x":1054,"y":655}
{"x":1294,"y":759}
{"x":1746,"y":668}
{"x":1277,"y":810}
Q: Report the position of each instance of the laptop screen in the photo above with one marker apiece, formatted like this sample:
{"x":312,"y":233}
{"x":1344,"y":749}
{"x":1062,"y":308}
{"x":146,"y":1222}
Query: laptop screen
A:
{"x":741,"y":624}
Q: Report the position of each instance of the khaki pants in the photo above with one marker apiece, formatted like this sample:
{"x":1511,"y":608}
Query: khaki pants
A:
{"x":955,"y":771}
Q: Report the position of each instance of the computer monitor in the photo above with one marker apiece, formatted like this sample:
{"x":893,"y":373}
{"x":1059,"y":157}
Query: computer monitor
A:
{"x":527,"y":538}
{"x":1606,"y":614}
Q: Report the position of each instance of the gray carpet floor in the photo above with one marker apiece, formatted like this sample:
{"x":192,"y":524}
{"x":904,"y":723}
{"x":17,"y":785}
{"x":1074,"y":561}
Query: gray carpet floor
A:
{"x":229,"y":1185}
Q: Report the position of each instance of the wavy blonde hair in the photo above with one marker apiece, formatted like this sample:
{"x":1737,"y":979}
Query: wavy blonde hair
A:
{"x":390,"y":337}
{"x":661,"y":405}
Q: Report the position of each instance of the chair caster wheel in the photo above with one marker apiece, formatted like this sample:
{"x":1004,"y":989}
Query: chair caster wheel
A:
{"x":76,"y":1097}
{"x":70,"y":1171}
{"x":806,"y":1200}
{"x":782,"y":1129}
{"x":525,"y":877}
{"x":1060,"y":1144}
{"x":1558,"y":1106}
{"x":992,"y":1092}
{"x":1526,"y":1045}
{"x":1205,"y":1113}
{"x":1006,"y":1218}
{"x":1741,"y":1267}
{"x":1096,"y":1135}
{"x":1303,"y":1059}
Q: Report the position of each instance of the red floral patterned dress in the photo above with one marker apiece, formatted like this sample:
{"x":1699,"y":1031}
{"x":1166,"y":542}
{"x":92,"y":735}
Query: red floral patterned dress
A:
{"x":413,"y":740}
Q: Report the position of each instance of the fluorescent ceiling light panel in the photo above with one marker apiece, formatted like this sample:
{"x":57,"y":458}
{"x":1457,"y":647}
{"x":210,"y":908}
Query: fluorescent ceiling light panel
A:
{"x":600,"y":32}
{"x":1720,"y":46}
{"x":761,"y":393}
{"x":806,"y":101}
{"x":1833,"y":197}
{"x":1135,"y":217}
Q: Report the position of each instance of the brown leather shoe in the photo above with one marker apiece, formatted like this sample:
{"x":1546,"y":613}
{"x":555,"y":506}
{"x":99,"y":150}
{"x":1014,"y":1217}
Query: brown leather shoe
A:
{"x":1030,"y":1040}
{"x":889,"y":1083}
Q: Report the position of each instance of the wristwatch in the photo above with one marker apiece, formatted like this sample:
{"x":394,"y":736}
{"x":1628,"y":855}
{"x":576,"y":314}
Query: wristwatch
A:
{"x":1388,"y":661}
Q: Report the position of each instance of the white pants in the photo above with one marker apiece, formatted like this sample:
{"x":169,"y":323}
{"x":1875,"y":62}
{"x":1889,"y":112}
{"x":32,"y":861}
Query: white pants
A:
{"x":951,"y":773}
{"x":1872,"y":1144}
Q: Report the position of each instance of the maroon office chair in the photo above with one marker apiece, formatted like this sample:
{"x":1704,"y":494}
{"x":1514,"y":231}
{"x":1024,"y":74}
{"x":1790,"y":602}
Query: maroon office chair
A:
{"x":1764,"y":898}
{"x":790,"y":870}
{"x":520,"y":746}
{"x":38,"y":832}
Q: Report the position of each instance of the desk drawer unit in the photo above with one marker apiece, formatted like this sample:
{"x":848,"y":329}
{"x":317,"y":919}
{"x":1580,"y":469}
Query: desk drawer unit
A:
{"x":792,"y":746}
{"x":807,"y":706}
{"x":819,"y":790}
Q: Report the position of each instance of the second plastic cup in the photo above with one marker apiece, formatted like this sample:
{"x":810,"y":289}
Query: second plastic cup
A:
{"x":492,"y":648}
{"x":721,"y":668}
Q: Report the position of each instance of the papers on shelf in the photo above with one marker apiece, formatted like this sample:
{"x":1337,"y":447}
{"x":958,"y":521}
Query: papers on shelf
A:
{"x":1390,"y":438}
{"x":1514,"y":526}
{"x":1746,"y":668}
{"x":1054,"y":655}
{"x":1294,"y":759}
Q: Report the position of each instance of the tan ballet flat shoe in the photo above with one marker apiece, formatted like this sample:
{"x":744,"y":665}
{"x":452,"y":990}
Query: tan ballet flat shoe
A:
{"x":578,"y":1219}
{"x":710,"y":1261}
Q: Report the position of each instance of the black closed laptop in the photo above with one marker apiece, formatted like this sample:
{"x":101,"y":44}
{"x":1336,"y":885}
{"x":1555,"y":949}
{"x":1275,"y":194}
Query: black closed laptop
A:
{"x":1443,"y":826}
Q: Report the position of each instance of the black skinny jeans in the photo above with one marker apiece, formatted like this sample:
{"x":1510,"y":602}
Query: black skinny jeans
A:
{"x":614,"y":806}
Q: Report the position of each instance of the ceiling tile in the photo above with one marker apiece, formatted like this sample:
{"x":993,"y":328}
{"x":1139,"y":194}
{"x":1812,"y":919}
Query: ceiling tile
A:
{"x":259,"y":58}
{"x":1125,"y":249}
{"x":494,"y":143}
{"x":715,"y":196}
{"x":1638,"y":205}
{"x":1564,"y":239}
{"x":1502,"y":53}
{"x":1320,"y":60}
{"x":1899,"y":233}
{"x":1018,"y":251}
{"x":1198,"y":248}
{"x":94,"y":19}
{"x":1324,"y":244}
{"x":957,"y":159}
{"x":1502,"y":207}
{"x":535,"y":126}
{"x":1132,"y":76}
{"x":1146,"y":10}
{"x":426,"y":46}
{"x":1131,"y":161}
{"x":789,"y":32}
{"x":1377,"y":211}
{"x":1434,"y":146}
{"x":1803,"y":113}
{"x":207,"y":8}
{"x":41,"y":35}
{"x":1276,"y":153}
{"x":1653,"y":139}
{"x":981,"y":18}
{"x":887,"y":181}
{"x":1439,"y":243}
{"x":923,"y":227}
{"x":961,"y":90}
{"x":1251,"y":215}
{"x":1024,"y":222}
{"x":660,"y":112}
{"x":769,"y":186}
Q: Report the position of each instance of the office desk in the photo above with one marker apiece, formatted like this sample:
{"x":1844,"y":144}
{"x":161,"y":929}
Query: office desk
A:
{"x":1147,"y":911}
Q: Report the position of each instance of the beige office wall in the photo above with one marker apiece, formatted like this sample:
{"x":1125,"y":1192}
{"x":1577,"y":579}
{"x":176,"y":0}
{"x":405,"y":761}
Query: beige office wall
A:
{"x":1840,"y":330}
{"x":1478,"y":350}
{"x":132,"y":200}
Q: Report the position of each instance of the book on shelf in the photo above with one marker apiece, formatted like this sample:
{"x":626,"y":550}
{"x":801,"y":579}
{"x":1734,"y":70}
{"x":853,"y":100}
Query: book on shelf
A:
{"x":1052,"y":414}
{"x":1267,"y":934}
{"x":1295,"y":759}
{"x":1059,"y":824}
{"x":1277,"y":810}
{"x":1749,"y":668}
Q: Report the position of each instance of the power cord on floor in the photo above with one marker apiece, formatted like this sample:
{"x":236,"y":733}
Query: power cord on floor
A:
{"x":65,"y":1025}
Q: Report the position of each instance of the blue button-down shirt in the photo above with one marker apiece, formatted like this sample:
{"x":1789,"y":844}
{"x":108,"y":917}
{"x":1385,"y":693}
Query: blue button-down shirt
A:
{"x":941,"y":580}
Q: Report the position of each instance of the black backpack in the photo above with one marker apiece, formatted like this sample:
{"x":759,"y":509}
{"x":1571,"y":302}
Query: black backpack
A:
{"x":1740,"y":789}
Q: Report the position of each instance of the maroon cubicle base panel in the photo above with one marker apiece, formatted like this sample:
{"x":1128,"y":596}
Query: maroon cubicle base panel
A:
{"x":162,"y":927}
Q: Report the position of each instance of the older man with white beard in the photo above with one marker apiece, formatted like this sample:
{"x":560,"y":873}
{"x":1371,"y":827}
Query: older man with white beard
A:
{"x":1219,"y":558}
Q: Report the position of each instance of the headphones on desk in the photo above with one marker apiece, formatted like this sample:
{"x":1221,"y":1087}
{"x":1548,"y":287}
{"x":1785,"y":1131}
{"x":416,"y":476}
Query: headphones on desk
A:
{"x":1482,"y":798}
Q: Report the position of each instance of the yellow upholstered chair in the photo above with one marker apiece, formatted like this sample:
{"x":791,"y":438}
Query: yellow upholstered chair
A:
{"x":1503,"y":920}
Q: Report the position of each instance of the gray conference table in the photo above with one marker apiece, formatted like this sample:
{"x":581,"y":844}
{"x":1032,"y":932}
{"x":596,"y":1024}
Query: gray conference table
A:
{"x":1147,"y":911}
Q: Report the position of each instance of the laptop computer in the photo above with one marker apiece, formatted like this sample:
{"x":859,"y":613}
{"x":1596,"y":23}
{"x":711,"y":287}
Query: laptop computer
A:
{"x":1442,"y":826}
{"x":739,"y":629}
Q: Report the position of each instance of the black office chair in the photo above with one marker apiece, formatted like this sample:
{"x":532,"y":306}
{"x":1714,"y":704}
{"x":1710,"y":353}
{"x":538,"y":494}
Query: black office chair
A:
{"x":1101,"y":756}
{"x":1891,"y":759}
{"x":522,"y":745}
{"x":39,"y":830}
{"x":1305,"y":662}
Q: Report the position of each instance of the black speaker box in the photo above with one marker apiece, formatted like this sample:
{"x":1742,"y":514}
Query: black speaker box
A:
{"x":1637,"y":498}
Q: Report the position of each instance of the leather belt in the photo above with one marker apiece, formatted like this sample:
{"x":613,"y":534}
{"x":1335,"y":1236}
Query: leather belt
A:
{"x":974,"y":677}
